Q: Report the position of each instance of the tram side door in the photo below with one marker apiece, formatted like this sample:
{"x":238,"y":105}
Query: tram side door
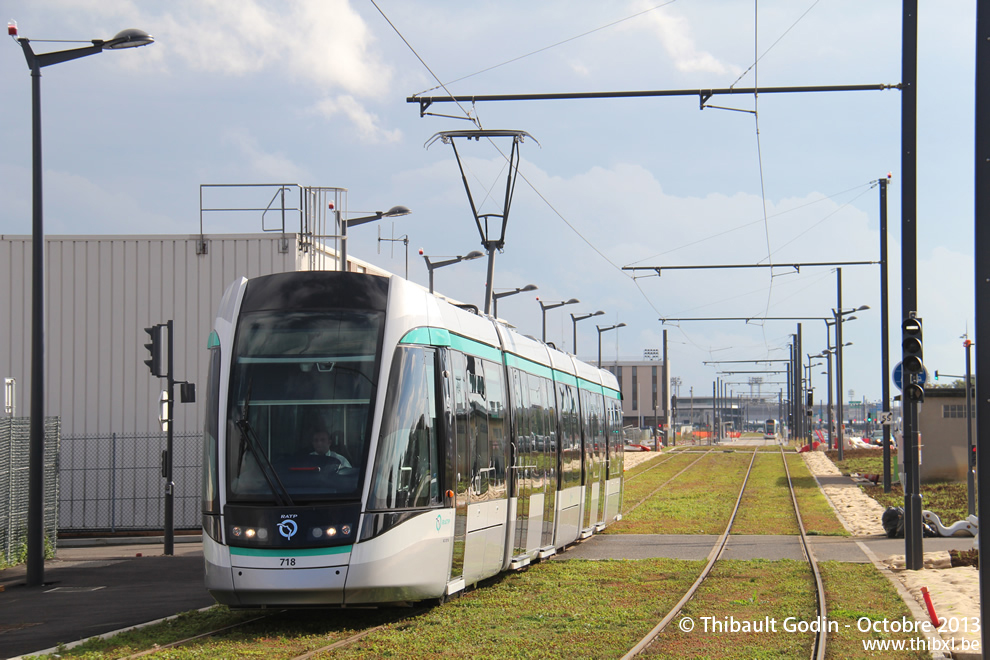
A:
{"x":457,"y":460}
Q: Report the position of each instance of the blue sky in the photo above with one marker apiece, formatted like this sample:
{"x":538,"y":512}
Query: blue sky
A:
{"x":314,"y":92}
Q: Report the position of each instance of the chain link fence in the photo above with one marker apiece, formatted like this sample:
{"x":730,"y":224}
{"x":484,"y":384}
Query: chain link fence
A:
{"x":15,"y":437}
{"x":113,"y":483}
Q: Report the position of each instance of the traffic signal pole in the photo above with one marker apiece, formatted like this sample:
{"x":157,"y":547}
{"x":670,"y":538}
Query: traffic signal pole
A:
{"x":914,"y":558}
{"x":161,"y":363}
{"x":167,"y":459}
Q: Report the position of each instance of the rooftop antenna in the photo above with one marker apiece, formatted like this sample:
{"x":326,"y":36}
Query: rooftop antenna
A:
{"x":490,"y":243}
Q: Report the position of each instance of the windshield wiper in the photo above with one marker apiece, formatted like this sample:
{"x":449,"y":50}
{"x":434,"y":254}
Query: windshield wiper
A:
{"x":278,"y":489}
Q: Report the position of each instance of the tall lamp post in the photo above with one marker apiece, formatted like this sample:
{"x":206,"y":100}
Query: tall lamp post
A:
{"x":129,"y":38}
{"x":432,"y":266}
{"x":545,"y":306}
{"x":600,"y":331}
{"x":581,"y":317}
{"x":505,"y":294}
{"x":393,"y":212}
{"x":839,"y":314}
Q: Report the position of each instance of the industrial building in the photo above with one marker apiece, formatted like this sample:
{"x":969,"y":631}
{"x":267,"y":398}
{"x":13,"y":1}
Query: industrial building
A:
{"x":101,"y":292}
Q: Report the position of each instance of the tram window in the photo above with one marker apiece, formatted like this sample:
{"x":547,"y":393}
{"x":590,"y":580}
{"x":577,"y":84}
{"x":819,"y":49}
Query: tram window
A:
{"x":290,"y":372}
{"x":407,"y":464}
{"x":211,"y":431}
{"x":570,"y":439}
{"x":497,"y":422}
{"x":481,"y":465}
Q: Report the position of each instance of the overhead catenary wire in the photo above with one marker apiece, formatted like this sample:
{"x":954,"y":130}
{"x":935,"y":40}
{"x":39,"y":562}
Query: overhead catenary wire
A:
{"x":546,"y":48}
{"x":755,"y":91}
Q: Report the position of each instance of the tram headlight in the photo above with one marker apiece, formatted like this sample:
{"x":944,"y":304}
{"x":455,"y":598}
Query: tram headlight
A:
{"x":236,"y":531}
{"x":331,"y":531}
{"x":249,"y":533}
{"x":345,"y":530}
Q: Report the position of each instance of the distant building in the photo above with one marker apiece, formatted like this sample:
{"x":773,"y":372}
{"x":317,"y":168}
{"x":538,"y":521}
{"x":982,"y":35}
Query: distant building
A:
{"x":101,"y":292}
{"x":645,"y":387}
{"x":942,"y":426}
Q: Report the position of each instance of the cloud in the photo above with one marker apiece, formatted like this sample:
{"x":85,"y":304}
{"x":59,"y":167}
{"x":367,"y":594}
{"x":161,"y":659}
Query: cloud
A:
{"x":674,"y":33}
{"x":314,"y":41}
{"x":266,"y":166}
{"x":366,"y":123}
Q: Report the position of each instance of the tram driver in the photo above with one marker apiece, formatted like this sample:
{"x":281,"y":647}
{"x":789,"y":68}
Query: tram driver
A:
{"x":322,"y":443}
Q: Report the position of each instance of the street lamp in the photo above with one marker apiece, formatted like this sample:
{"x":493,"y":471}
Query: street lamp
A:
{"x":839,"y":313}
{"x":129,"y":38}
{"x":600,"y":331}
{"x":545,"y":307}
{"x":505,"y":294}
{"x":827,"y":354}
{"x":431,"y":266}
{"x":581,"y":317}
{"x":393,"y":212}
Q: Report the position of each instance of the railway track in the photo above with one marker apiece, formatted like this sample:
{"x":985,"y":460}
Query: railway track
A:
{"x":818,"y":648}
{"x":408,"y":616}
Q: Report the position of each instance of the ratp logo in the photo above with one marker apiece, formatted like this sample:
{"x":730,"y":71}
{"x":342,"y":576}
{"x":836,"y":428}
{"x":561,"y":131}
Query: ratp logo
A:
{"x":441,"y":521}
{"x":288,"y":528}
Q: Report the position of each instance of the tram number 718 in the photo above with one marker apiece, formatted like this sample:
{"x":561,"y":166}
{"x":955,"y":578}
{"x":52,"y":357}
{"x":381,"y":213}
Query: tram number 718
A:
{"x":287,"y":561}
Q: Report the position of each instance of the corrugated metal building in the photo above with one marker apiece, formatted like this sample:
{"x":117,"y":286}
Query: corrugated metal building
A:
{"x":100,"y":294}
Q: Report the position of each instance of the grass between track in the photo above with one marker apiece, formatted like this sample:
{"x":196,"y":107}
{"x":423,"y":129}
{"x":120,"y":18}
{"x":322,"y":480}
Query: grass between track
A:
{"x":703,"y":497}
{"x":697,"y":502}
{"x":558,"y":609}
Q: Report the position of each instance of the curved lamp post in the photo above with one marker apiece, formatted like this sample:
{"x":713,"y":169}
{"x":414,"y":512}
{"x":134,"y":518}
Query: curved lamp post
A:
{"x":600,"y":331}
{"x":393,"y":212}
{"x":431,"y":266}
{"x":581,"y":317}
{"x":129,"y":38}
{"x":505,"y":294}
{"x":545,"y":307}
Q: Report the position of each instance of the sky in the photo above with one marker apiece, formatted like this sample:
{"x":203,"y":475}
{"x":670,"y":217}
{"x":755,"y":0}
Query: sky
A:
{"x":314,"y":92}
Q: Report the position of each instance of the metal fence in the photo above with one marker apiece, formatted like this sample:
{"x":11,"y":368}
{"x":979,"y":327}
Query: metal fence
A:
{"x":15,"y":434}
{"x":113,"y":483}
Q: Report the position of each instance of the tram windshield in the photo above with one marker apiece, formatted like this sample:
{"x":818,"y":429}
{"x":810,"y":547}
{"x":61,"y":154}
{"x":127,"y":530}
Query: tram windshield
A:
{"x":300,"y":404}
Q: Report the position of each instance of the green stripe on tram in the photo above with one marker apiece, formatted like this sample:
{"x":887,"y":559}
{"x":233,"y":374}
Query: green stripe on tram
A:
{"x":213,"y":340}
{"x":307,"y":552}
{"x":530,"y":367}
{"x":441,"y":337}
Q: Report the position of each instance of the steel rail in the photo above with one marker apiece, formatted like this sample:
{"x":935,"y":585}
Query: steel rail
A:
{"x":713,"y":556}
{"x":818,"y":651}
{"x":210,"y":633}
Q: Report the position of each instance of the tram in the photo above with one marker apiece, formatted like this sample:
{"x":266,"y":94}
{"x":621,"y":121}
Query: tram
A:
{"x":368,"y":442}
{"x":771,"y":430}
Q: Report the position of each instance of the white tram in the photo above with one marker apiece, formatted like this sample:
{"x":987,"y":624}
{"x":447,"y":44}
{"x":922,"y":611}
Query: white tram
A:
{"x":457,"y":447}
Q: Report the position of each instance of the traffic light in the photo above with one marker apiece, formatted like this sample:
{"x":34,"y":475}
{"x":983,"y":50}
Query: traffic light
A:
{"x":914,"y":392}
{"x":673,"y":404}
{"x":911,"y":343}
{"x":936,"y":374}
{"x":157,"y":363}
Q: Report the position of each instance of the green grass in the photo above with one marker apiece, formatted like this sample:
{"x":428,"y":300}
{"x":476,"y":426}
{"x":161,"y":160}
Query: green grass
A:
{"x":645,"y":482}
{"x":816,"y":513}
{"x":697,"y":502}
{"x":860,"y":590}
{"x":766,"y":508}
{"x":747,"y":591}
